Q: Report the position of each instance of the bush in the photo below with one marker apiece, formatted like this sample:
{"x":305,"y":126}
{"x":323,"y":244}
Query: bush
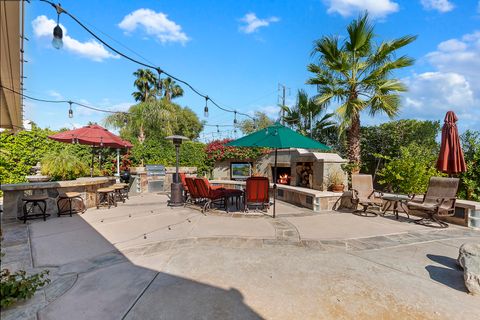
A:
{"x":19,"y":286}
{"x":411,"y":171}
{"x":64,"y":165}
{"x":470,"y":180}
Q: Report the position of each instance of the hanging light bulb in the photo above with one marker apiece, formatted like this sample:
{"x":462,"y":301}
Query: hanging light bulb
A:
{"x":235,"y":117}
{"x":218,"y":129}
{"x":254,"y":124}
{"x":266,"y":131}
{"x":125,"y":120}
{"x":57,"y":41}
{"x":205,"y":110}
{"x":101,"y":142}
{"x":70,"y":111}
{"x":73,"y":139}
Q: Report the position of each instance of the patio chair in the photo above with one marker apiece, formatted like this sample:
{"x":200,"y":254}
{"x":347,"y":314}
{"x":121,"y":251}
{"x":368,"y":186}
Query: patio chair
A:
{"x":193,"y":196}
{"x":211,"y":196}
{"x":184,"y":184}
{"x":365,"y":195}
{"x":438,"y":201}
{"x":256,"y":193}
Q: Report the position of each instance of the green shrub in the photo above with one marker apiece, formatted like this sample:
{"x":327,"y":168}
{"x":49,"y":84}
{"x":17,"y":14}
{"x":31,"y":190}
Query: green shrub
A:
{"x":19,"y":286}
{"x":64,"y":165}
{"x":410,"y":171}
{"x":470,"y":180}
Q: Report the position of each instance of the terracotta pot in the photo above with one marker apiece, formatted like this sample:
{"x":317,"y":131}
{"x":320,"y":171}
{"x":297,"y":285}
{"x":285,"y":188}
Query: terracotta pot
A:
{"x":338,"y":187}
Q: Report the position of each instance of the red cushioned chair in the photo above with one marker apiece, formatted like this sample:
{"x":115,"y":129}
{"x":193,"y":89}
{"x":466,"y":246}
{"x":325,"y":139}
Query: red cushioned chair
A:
{"x":256,"y":192}
{"x":193,"y":195}
{"x":212,"y":196}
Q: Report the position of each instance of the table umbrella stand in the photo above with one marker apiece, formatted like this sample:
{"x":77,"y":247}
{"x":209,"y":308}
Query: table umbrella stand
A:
{"x":275,"y":183}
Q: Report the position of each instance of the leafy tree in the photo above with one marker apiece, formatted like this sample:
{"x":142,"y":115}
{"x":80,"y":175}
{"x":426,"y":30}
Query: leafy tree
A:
{"x":169,"y":89}
{"x":145,"y":82}
{"x":356,"y":73}
{"x":155,"y":120}
{"x":64,"y":165}
{"x":470,"y":180}
{"x":248,"y":126}
{"x":410,"y":171}
{"x":309,"y":118}
{"x":387,"y":138}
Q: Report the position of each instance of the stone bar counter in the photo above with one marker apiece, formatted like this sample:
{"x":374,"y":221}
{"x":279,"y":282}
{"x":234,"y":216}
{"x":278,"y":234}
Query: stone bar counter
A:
{"x":13,"y":193}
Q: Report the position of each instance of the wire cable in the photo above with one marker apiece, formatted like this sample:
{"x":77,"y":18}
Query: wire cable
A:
{"x":60,"y":10}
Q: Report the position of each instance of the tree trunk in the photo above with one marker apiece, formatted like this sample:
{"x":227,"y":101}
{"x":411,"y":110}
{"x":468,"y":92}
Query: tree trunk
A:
{"x":353,"y":137}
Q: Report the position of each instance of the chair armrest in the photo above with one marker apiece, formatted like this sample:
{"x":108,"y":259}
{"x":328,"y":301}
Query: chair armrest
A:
{"x":374,"y":192}
{"x":354,"y":193}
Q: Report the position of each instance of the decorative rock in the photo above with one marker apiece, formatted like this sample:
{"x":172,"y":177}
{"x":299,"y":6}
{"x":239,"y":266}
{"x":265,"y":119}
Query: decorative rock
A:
{"x":469,"y":260}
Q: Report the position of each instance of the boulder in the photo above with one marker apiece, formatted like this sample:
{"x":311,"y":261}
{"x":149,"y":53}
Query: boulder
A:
{"x":469,"y":260}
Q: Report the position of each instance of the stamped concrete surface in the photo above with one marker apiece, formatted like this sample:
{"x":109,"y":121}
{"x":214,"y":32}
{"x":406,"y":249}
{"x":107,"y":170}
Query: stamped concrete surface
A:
{"x":143,"y":260}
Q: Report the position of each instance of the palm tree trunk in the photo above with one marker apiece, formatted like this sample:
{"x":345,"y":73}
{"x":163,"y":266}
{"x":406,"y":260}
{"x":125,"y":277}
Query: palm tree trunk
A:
{"x":353,"y":137}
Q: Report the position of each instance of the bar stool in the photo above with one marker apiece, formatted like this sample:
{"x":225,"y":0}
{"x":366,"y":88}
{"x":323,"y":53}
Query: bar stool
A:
{"x":119,"y":194}
{"x":35,"y":200}
{"x":69,"y":197}
{"x":106,"y":197}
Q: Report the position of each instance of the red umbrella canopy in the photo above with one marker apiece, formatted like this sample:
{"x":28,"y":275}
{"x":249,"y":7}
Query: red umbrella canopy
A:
{"x":93,"y":135}
{"x":450,"y":160}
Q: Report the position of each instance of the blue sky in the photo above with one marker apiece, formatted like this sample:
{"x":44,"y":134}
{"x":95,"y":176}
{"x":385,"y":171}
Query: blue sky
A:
{"x":238,"y":52}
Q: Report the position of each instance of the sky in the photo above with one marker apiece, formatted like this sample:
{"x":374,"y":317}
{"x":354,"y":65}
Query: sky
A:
{"x":238,"y":52}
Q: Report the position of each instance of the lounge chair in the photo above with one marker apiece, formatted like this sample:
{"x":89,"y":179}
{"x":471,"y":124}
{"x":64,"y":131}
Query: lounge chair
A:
{"x":193,"y":196}
{"x":365,"y":195}
{"x":211,"y":195}
{"x":438,"y":201}
{"x":256,"y":193}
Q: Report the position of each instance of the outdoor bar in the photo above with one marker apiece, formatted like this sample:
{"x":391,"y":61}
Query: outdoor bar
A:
{"x":13,"y":193}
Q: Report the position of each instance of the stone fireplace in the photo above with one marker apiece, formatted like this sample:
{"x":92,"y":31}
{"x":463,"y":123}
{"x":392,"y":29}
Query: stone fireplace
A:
{"x":306,"y":169}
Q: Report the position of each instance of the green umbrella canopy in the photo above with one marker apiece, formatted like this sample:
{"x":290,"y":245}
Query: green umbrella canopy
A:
{"x":278,"y":137}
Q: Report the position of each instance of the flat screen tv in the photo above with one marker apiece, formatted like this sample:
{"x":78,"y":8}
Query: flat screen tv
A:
{"x":240,"y":170}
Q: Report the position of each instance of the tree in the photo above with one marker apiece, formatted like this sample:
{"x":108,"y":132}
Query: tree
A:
{"x":248,"y":126}
{"x":309,"y":118}
{"x":357,"y":74}
{"x":169,"y":89}
{"x":155,"y":119}
{"x":145,"y":83}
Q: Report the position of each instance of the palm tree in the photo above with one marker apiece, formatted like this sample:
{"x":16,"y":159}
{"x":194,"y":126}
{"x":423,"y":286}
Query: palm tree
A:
{"x":170,"y":89}
{"x":146,"y":85}
{"x":304,"y":116}
{"x":146,"y":118}
{"x":357,"y":74}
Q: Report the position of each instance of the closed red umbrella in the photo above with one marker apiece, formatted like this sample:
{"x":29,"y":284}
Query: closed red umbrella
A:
{"x":450,"y":160}
{"x":92,"y":135}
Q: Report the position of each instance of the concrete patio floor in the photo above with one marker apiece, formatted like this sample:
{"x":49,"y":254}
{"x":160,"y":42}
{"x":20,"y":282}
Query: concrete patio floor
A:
{"x":143,"y":260}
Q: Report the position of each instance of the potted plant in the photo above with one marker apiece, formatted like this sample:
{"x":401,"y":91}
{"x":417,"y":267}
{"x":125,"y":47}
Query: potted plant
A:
{"x":335,"y":180}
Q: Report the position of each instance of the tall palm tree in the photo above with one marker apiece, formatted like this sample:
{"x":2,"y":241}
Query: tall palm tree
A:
{"x":145,"y":83}
{"x":357,"y":74}
{"x":304,"y":116}
{"x":170,"y":89}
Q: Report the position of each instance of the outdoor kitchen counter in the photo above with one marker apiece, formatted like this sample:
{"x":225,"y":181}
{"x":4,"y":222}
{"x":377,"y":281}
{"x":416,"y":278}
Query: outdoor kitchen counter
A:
{"x":13,"y":193}
{"x":310,"y":198}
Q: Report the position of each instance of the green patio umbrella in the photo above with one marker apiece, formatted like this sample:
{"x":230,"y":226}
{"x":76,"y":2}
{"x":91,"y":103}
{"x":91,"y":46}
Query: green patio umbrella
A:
{"x":277,"y":137}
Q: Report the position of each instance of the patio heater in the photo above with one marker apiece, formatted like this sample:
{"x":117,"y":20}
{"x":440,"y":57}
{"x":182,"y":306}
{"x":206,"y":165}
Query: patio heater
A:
{"x":176,"y":196}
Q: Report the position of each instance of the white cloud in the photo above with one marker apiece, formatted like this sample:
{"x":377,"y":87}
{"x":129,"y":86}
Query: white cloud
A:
{"x":439,"y":5}
{"x":253,"y":23}
{"x":154,"y":24}
{"x":55,"y":94}
{"x":43,"y":28}
{"x":461,"y":56}
{"x":376,"y":8}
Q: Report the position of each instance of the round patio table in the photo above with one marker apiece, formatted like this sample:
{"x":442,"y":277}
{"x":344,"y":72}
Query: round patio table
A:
{"x":396,"y":200}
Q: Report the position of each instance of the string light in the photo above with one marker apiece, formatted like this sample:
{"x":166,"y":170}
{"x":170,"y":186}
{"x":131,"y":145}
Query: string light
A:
{"x":57,"y":41}
{"x":70,"y":111}
{"x":218,"y":129}
{"x":125,"y":119}
{"x":159,"y":83}
{"x":205,"y":110}
{"x":235,"y":117}
{"x":60,"y":10}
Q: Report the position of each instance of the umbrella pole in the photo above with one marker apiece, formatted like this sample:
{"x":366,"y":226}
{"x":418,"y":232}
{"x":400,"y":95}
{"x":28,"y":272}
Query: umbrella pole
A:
{"x":275,"y":183}
{"x":118,"y":162}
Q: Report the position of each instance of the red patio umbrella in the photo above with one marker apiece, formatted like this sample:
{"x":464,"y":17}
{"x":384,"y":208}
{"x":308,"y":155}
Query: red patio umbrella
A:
{"x":450,"y":160}
{"x":92,"y":135}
